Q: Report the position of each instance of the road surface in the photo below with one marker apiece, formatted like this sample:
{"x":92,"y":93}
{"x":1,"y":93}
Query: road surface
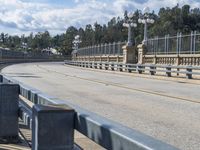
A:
{"x":166,"y":110}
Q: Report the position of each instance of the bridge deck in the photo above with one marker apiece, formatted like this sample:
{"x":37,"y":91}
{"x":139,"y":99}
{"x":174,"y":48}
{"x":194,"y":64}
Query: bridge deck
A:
{"x":166,"y":110}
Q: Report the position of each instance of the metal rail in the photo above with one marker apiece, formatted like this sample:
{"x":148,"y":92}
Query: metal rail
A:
{"x":139,"y":68}
{"x":179,"y":44}
{"x":102,"y":49}
{"x":108,"y":134}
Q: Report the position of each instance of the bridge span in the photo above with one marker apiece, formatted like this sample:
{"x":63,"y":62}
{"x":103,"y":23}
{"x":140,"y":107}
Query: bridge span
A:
{"x":165,"y":109}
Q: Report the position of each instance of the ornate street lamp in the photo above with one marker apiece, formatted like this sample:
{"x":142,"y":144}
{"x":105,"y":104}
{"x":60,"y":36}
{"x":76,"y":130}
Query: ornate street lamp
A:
{"x":145,"y":19}
{"x":129,"y":24}
{"x":76,"y":43}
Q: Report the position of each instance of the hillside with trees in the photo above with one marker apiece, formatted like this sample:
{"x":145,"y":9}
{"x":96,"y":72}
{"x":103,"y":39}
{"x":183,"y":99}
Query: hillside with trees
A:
{"x":167,"y":21}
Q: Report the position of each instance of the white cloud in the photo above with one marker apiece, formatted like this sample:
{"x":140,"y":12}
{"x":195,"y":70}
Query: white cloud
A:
{"x":76,"y":1}
{"x":28,"y":17}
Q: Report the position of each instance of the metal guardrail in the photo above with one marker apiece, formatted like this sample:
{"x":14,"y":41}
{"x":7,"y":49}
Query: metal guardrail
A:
{"x":104,"y":132}
{"x":189,"y":71}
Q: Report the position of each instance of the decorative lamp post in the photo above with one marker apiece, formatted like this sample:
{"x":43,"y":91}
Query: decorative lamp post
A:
{"x":129,"y":24}
{"x":145,"y":19}
{"x":76,"y":43}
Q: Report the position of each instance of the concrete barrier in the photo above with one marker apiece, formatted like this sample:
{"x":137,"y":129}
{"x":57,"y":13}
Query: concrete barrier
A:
{"x":9,"y":95}
{"x":52,"y":128}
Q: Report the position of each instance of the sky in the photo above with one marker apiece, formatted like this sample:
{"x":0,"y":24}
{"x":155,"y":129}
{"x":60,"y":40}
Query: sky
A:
{"x":24,"y":16}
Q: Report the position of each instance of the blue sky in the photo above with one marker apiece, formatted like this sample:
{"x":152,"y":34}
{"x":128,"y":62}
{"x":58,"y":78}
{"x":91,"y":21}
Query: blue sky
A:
{"x":25,"y":16}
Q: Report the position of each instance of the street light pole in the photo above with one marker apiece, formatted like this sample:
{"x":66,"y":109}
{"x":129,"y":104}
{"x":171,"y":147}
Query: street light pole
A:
{"x":129,"y":35}
{"x":76,"y":43}
{"x":145,"y":31}
{"x":129,"y":24}
{"x":145,"y":19}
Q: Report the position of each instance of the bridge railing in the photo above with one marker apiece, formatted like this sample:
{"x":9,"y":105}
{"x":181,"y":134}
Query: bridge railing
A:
{"x":179,"y":44}
{"x":53,"y":122}
{"x":10,"y":57}
{"x":11,"y":54}
{"x":102,"y":49}
{"x":152,"y":69}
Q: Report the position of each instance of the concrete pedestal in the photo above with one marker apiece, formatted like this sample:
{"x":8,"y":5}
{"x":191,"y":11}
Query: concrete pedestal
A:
{"x":9,"y":95}
{"x":141,"y":51}
{"x":129,"y":54}
{"x":52,"y":128}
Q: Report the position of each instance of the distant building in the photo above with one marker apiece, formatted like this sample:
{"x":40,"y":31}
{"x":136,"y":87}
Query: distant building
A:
{"x":50,"y":51}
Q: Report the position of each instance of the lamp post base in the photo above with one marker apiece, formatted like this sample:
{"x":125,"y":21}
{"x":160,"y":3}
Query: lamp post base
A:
{"x":129,"y":54}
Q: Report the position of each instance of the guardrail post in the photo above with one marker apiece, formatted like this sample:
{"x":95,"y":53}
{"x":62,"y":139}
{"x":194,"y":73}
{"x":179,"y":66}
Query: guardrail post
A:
{"x":120,"y":67}
{"x":168,"y":71}
{"x":112,"y":67}
{"x":90,"y":64}
{"x":100,"y":65}
{"x":129,"y":68}
{"x":189,"y":73}
{"x":152,"y":70}
{"x":106,"y":65}
{"x":95,"y":65}
{"x":9,"y":95}
{"x":81,"y":64}
{"x":52,"y":127}
{"x":139,"y":69}
{"x":86,"y":64}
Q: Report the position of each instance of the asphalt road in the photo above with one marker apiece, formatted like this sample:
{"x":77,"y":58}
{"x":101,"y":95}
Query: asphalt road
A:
{"x":166,"y":110}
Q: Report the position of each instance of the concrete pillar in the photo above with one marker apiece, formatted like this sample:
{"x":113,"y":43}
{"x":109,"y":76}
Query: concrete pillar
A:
{"x":177,"y":60}
{"x":129,"y":54}
{"x":155,"y":60}
{"x":118,"y":58}
{"x":52,"y":128}
{"x":141,"y":51}
{"x":9,"y":95}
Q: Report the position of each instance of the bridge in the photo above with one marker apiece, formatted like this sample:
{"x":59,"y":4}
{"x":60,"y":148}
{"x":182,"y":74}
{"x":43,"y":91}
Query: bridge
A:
{"x":108,"y":96}
{"x":166,"y":109}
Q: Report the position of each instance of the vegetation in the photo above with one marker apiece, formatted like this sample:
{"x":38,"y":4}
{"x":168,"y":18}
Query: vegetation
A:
{"x":167,"y":21}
